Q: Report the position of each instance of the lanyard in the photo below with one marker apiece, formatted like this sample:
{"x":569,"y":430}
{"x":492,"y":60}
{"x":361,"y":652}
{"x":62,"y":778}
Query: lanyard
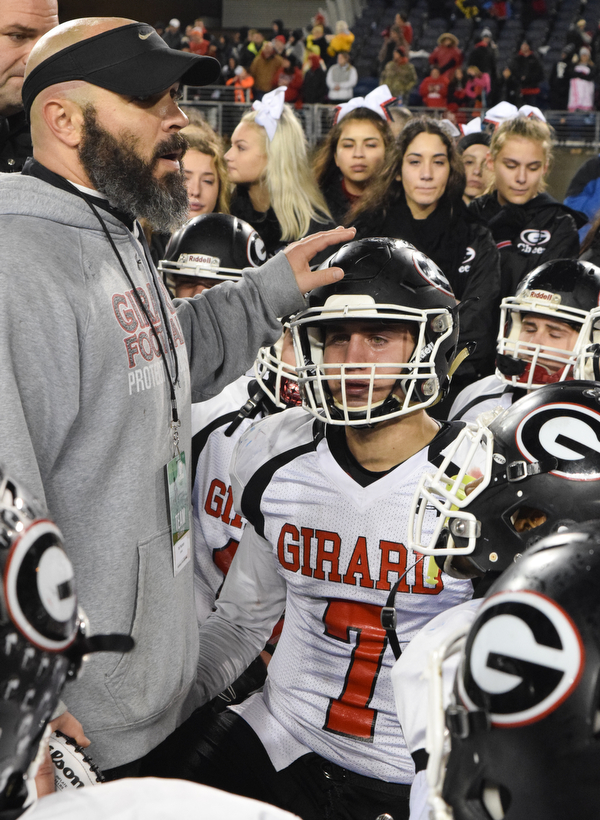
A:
{"x":172,"y":379}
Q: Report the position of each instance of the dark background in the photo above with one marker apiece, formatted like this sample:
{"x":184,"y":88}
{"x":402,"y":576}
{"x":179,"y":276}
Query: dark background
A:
{"x":146,"y":11}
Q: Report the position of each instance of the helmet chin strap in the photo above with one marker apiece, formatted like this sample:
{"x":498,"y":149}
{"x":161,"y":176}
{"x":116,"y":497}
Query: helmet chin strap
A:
{"x":522,"y":369}
{"x":542,"y":375}
{"x":390,"y":403}
{"x":365,"y":407}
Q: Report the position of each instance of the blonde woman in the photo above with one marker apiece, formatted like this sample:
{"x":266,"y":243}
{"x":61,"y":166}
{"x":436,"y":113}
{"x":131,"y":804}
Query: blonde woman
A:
{"x":529,"y":226}
{"x":205,"y":172}
{"x":274,"y":188}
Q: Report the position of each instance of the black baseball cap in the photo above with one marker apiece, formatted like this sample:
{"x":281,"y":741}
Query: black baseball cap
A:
{"x":477,"y":138}
{"x":132,"y":60}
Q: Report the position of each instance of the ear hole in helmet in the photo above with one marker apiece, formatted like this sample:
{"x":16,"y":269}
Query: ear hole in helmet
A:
{"x":527,"y":518}
{"x":496,"y":799}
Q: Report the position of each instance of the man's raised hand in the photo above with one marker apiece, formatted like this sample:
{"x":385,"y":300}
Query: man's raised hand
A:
{"x":299,"y":255}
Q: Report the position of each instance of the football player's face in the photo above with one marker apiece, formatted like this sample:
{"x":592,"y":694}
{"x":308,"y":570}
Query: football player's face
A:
{"x":188,"y":286}
{"x":247,"y":157}
{"x":519,"y":168}
{"x":359,"y":344}
{"x":538,"y":330}
{"x":287,"y":350}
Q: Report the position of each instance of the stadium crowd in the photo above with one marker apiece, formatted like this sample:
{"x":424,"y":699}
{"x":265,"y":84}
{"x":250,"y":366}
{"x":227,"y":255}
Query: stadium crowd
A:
{"x":229,"y":367}
{"x":473,"y":74}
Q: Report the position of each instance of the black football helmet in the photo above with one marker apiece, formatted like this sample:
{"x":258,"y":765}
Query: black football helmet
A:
{"x":213,"y":246}
{"x":524,"y":718}
{"x":42,"y":637}
{"x":538,"y":459}
{"x":385,"y":281}
{"x":564,"y":290}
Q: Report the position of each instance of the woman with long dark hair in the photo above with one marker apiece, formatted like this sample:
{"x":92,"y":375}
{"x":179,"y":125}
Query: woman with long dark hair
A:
{"x":418,"y":197}
{"x":354,"y":150}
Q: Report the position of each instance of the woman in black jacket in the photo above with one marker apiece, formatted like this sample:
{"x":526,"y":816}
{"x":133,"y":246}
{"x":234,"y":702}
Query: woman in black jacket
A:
{"x":529,"y":226}
{"x":418,"y":197}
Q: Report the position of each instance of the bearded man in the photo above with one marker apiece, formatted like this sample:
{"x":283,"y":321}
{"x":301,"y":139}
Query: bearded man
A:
{"x":98,"y":366}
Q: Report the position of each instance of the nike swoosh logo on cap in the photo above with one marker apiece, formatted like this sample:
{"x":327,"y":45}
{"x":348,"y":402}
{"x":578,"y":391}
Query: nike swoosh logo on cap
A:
{"x":144,"y":36}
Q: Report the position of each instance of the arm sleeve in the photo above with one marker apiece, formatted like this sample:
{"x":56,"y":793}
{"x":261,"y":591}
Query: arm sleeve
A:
{"x":565,"y":240}
{"x":251,"y":602}
{"x":409,"y":673}
{"x":479,"y":321}
{"x":225,"y":326}
{"x":419,"y":794}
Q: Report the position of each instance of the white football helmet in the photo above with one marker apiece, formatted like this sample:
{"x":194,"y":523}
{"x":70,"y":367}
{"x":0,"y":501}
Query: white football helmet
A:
{"x":386,"y":281}
{"x":564,"y":290}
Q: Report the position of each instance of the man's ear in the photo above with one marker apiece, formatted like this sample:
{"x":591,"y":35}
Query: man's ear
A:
{"x":64,"y":118}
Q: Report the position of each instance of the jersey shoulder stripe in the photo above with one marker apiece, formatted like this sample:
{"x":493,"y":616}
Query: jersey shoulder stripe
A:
{"x":232,"y":397}
{"x":200,"y":439}
{"x":265,"y":448}
{"x":445,"y":437}
{"x":481,"y":399}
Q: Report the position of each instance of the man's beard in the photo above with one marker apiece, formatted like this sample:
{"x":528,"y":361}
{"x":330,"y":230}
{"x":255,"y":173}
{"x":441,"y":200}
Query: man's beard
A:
{"x":116,"y":170}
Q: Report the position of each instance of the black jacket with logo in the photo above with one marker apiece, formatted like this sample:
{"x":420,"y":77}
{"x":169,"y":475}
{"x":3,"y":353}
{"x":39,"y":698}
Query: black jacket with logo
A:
{"x":529,"y":235}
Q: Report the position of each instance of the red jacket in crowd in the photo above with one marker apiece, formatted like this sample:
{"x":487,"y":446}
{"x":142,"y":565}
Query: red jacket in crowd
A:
{"x":433,"y":91}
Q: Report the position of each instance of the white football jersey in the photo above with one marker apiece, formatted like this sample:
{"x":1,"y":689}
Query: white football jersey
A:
{"x":217,"y":526}
{"x":410,"y":679}
{"x":338,"y":547}
{"x":482,"y":397}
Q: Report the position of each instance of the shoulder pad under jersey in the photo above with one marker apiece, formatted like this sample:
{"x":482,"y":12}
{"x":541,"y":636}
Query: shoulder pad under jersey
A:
{"x":230,"y":399}
{"x":266,"y":440}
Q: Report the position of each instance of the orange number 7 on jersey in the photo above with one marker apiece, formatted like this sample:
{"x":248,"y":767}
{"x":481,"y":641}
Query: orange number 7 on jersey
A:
{"x":350,"y":714}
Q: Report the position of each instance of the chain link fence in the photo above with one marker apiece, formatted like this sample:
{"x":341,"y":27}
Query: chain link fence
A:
{"x":218,"y":105}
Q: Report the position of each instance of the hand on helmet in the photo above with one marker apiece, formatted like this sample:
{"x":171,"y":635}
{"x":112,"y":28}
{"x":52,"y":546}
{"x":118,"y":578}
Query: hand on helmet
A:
{"x":300,"y":253}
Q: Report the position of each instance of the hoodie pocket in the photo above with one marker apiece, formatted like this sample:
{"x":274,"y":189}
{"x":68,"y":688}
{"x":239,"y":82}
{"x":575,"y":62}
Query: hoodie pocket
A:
{"x":162,"y":664}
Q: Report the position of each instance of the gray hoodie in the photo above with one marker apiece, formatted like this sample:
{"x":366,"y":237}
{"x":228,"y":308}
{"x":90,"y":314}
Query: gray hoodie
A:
{"x":84,"y":423}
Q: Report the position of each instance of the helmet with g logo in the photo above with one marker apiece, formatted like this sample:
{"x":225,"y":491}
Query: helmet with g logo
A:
{"x":539,"y":469}
{"x":42,"y":636}
{"x":524,"y":718}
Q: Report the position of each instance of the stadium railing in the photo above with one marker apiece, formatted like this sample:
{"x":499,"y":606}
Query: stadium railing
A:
{"x":217,"y":104}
